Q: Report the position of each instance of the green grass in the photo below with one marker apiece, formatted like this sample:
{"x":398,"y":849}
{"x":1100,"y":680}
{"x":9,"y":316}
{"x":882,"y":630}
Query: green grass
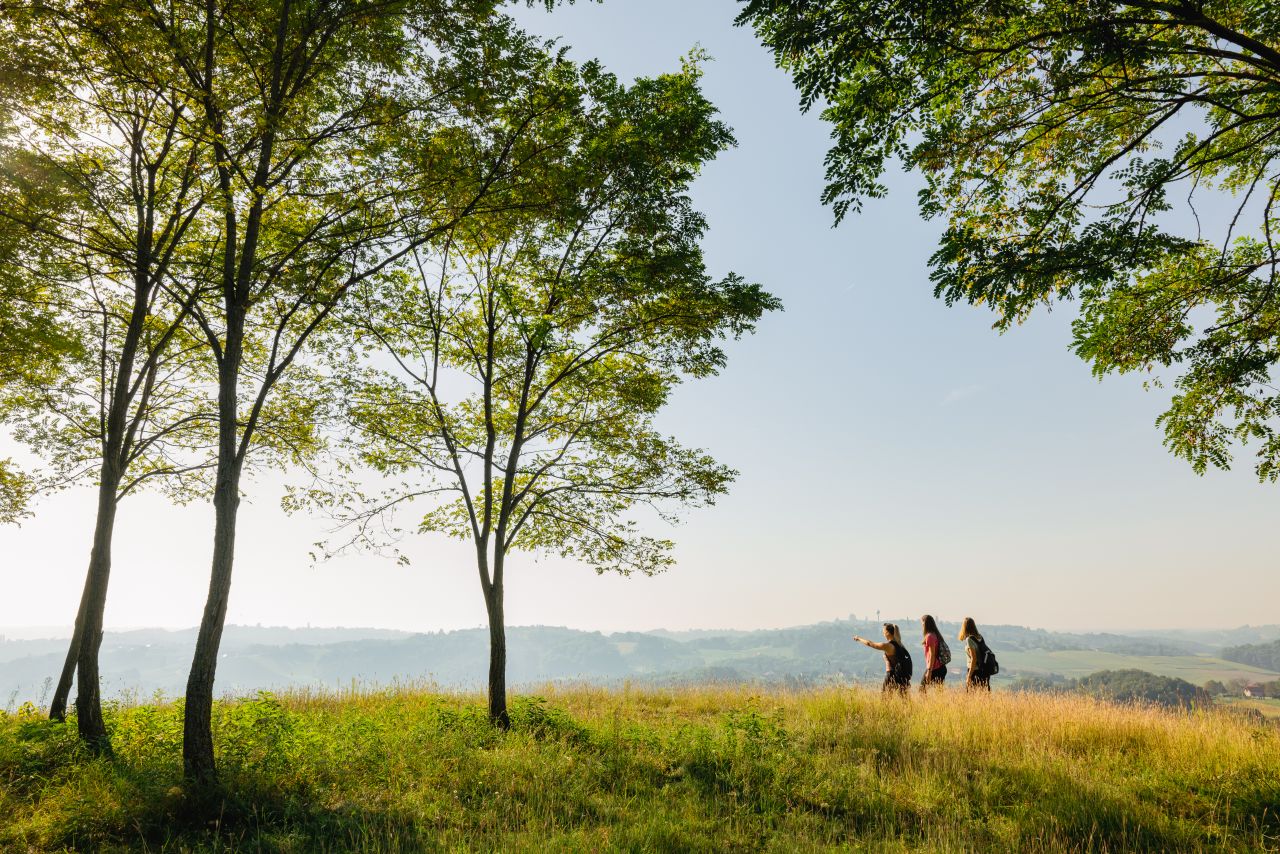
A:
{"x":693,"y":770}
{"x":1196,"y":669}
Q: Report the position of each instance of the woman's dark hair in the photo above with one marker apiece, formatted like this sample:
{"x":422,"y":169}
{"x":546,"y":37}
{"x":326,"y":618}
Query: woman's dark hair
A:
{"x":930,"y":627}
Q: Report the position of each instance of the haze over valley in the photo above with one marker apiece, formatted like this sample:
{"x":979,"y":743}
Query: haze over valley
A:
{"x":139,"y":663}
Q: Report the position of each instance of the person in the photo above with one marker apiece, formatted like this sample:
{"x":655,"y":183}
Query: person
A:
{"x":935,"y":664}
{"x":976,"y":678}
{"x":897,"y":661}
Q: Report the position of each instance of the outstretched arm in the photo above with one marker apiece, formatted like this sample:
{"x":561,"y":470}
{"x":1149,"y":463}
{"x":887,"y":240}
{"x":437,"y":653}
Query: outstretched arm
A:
{"x":873,"y":644}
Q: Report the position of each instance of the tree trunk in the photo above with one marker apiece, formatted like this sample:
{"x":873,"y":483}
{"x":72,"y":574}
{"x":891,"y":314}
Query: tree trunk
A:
{"x":92,"y":728}
{"x":92,"y":599}
{"x":197,"y":732}
{"x":58,"y":708}
{"x":497,"y":659}
{"x":197,"y":725}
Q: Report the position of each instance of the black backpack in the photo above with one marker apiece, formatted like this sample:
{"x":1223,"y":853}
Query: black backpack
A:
{"x":987,"y":664}
{"x":900,"y":663}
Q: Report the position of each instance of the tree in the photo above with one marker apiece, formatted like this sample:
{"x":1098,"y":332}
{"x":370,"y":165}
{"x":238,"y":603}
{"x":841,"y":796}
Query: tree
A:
{"x":533,"y":347}
{"x":1138,"y":686}
{"x":339,"y":135}
{"x":1054,"y":139}
{"x":101,"y":184}
{"x":1264,"y":655}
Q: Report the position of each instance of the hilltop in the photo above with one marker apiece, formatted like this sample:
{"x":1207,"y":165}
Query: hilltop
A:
{"x":658,"y":770}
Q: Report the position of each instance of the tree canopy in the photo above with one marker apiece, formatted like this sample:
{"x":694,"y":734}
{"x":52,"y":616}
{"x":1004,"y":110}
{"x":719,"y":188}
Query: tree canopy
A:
{"x":538,"y":343}
{"x":1068,"y":145}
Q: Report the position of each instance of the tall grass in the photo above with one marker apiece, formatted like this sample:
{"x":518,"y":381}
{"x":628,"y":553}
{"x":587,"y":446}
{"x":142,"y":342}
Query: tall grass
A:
{"x":701,"y":769}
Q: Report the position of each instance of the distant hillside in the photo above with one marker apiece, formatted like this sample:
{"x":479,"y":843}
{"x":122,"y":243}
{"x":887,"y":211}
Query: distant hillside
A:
{"x":1196,"y":669}
{"x":1123,"y":686}
{"x":255,"y":657}
{"x":1265,"y":655}
{"x":1214,"y":640}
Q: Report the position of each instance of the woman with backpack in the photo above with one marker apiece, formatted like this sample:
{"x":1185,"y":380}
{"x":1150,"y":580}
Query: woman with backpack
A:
{"x":981,"y":660}
{"x":936,"y":654}
{"x":897,"y":661}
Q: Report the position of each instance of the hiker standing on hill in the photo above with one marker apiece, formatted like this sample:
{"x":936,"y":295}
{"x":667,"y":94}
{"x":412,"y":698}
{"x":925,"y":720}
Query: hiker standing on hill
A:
{"x":897,"y":661}
{"x":982,"y":662}
{"x":936,"y":654}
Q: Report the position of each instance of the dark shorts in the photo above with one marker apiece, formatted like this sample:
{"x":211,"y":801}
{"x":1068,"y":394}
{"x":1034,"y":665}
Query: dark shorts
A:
{"x":975,"y":681}
{"x":893,"y":683}
{"x":936,"y":676}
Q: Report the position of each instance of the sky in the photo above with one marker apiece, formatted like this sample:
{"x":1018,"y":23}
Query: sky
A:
{"x":895,"y":455}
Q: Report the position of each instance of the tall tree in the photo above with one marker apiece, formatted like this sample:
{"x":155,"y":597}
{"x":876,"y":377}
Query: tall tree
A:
{"x":101,"y":183}
{"x":1055,"y":139}
{"x":339,"y":136}
{"x":532,"y":349}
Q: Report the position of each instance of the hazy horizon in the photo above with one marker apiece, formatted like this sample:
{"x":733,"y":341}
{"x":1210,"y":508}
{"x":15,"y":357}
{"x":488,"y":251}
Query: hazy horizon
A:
{"x":895,"y":454}
{"x":61,"y":631}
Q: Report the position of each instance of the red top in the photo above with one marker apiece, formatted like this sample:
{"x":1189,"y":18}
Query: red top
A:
{"x":932,"y":660}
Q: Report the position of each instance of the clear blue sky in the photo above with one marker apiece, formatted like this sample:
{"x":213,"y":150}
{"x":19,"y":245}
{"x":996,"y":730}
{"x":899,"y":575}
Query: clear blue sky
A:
{"x":894,"y":454}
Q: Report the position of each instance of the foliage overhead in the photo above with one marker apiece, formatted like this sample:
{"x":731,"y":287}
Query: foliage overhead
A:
{"x":531,"y":348}
{"x":330,"y":132}
{"x":15,"y":492}
{"x":1057,"y":141}
{"x":101,"y":185}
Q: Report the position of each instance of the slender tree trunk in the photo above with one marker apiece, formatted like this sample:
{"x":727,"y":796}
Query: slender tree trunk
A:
{"x":497,"y":658}
{"x":61,"y":694}
{"x":197,"y":732}
{"x":92,"y":728}
{"x":92,"y":599}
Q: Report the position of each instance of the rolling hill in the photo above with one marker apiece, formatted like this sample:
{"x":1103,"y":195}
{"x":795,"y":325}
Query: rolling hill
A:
{"x":148,"y":661}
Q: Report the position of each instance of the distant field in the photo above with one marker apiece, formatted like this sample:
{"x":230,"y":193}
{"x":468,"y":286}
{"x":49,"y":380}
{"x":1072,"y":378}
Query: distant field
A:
{"x":1196,"y":669}
{"x":702,"y":769}
{"x":1268,"y":707}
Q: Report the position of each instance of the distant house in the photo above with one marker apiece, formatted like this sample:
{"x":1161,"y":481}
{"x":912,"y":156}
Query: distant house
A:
{"x":1256,"y":690}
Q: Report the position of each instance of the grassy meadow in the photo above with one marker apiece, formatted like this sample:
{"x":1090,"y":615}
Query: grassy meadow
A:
{"x":690,"y":770}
